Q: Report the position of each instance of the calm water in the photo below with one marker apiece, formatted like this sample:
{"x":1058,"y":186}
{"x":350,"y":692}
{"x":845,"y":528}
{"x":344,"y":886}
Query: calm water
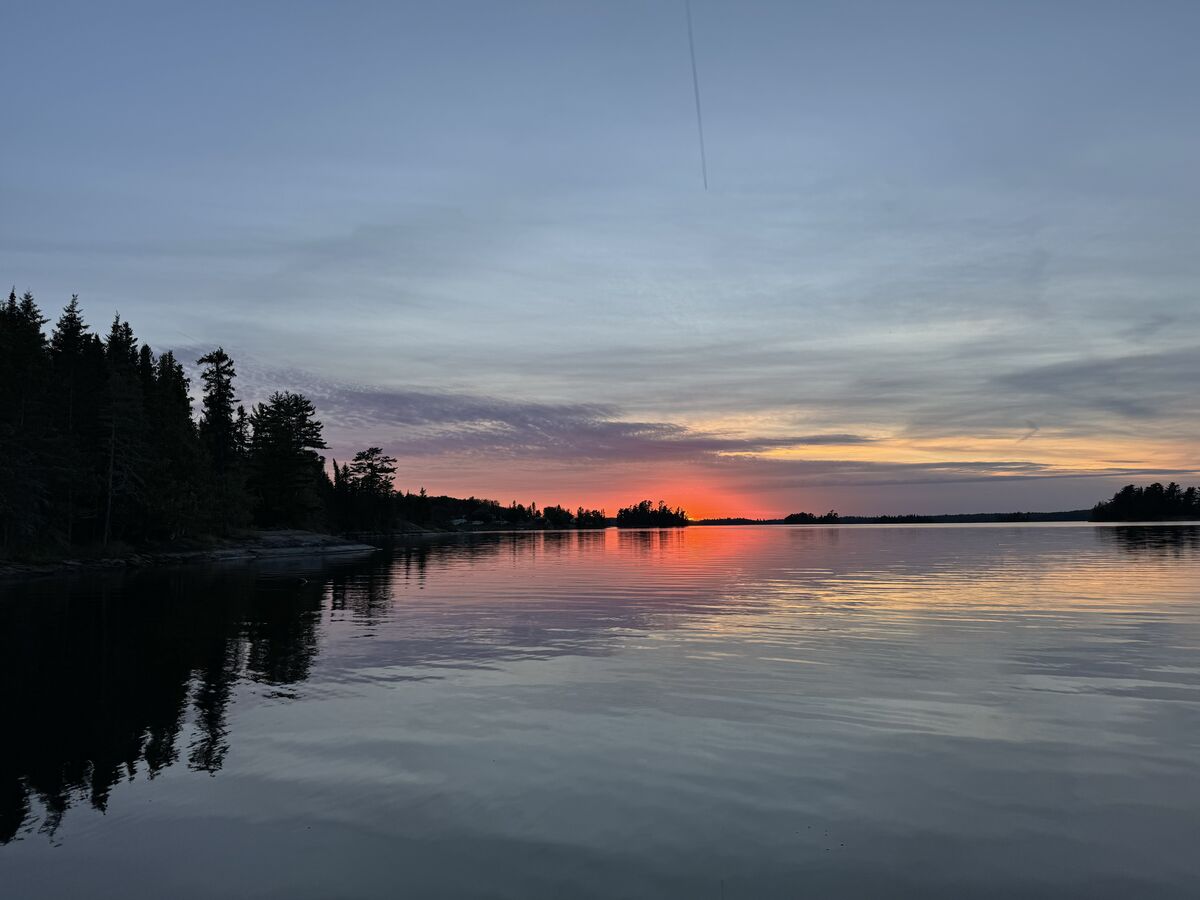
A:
{"x":738,"y":712}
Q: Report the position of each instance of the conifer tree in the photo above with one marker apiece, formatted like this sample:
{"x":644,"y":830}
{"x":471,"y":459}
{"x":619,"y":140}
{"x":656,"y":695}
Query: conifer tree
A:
{"x":286,"y":472}
{"x":125,"y":423}
{"x":217,"y":432}
{"x":174,"y":507}
{"x":220,"y":438}
{"x":76,"y":373}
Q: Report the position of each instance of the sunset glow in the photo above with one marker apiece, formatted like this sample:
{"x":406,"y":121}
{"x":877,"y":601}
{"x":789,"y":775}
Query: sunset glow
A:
{"x":913,"y":284}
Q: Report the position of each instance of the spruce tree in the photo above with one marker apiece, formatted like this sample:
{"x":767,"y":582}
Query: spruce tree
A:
{"x":124,"y":419}
{"x":220,"y":440}
{"x":286,"y":473}
{"x":74,"y":392}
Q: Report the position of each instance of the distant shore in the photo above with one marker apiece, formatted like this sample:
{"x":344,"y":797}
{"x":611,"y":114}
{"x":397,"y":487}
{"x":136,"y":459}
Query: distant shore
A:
{"x":1071,"y":515}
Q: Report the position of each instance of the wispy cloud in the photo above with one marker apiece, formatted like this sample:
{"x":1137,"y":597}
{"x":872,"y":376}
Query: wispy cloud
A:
{"x":425,"y":423}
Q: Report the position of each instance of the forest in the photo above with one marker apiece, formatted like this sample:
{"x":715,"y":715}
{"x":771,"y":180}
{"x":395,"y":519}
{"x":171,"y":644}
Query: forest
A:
{"x":100,"y":446}
{"x":1152,"y":503}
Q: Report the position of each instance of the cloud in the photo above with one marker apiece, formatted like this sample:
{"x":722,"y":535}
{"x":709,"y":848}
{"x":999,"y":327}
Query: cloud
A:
{"x":463,"y":431}
{"x":430,"y":423}
{"x":1140,"y":386}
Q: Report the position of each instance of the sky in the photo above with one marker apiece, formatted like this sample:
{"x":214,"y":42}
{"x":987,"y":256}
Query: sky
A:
{"x":947,"y":260}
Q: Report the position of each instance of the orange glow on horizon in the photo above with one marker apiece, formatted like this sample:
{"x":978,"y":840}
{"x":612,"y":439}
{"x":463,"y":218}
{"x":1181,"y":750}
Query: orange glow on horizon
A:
{"x":742,"y":484}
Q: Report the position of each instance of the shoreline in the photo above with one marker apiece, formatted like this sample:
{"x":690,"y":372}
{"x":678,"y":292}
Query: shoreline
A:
{"x":293,"y":543}
{"x":258,"y":546}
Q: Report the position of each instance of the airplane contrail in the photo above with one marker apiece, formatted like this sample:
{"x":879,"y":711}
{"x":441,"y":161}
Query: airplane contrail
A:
{"x":687,"y":5}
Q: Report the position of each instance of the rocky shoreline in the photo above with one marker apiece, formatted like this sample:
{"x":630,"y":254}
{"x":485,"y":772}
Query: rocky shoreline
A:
{"x":259,"y":545}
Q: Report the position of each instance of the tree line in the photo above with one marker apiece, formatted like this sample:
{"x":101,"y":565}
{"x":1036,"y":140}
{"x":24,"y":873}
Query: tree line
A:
{"x":1154,"y":502}
{"x":99,"y":445}
{"x":1151,"y":503}
{"x":647,"y":515}
{"x":807,"y":518}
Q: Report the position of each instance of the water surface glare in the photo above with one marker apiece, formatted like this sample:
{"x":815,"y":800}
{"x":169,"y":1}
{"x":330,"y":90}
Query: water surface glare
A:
{"x":742,"y":712}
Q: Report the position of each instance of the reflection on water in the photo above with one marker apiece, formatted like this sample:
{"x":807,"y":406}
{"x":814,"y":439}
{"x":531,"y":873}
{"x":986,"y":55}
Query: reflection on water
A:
{"x":98,"y":678}
{"x":1175,"y":540}
{"x":920,"y":711}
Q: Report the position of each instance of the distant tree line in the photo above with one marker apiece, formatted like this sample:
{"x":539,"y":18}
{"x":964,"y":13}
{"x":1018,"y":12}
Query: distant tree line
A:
{"x":1073,"y":515}
{"x":364,"y":502}
{"x":1148,"y":504}
{"x":1153,"y":502}
{"x":647,"y":515}
{"x":807,"y":518}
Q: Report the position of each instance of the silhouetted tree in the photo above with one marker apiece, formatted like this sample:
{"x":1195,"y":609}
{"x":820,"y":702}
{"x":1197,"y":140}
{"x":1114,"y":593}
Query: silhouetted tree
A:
{"x":217,"y":432}
{"x":79,"y":371}
{"x":371,"y":472}
{"x":558,"y":517}
{"x":1148,"y":504}
{"x":124,"y":423}
{"x":174,"y":488}
{"x":222,"y":438}
{"x":647,"y":515}
{"x":590,"y":518}
{"x":364,"y":497}
{"x":286,"y":472}
{"x":807,"y":518}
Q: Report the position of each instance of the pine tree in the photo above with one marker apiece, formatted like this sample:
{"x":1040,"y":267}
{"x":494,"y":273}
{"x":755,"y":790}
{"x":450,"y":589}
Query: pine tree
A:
{"x":216,"y":418}
{"x":368,"y":484}
{"x":74,"y":391}
{"x":221,"y":440}
{"x":286,"y":472}
{"x":174,"y":492}
{"x":125,"y":420}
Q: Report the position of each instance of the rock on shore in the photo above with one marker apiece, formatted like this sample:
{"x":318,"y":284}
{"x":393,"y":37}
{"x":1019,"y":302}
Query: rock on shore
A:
{"x":255,"y":545}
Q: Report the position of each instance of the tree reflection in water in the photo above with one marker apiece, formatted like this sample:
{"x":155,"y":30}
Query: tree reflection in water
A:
{"x":103,"y":678}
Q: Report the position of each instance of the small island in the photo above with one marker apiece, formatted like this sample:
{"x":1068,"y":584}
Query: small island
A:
{"x":1152,"y":503}
{"x":647,"y":515}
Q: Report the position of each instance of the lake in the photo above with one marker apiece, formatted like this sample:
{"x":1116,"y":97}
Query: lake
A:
{"x":735,"y":712}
